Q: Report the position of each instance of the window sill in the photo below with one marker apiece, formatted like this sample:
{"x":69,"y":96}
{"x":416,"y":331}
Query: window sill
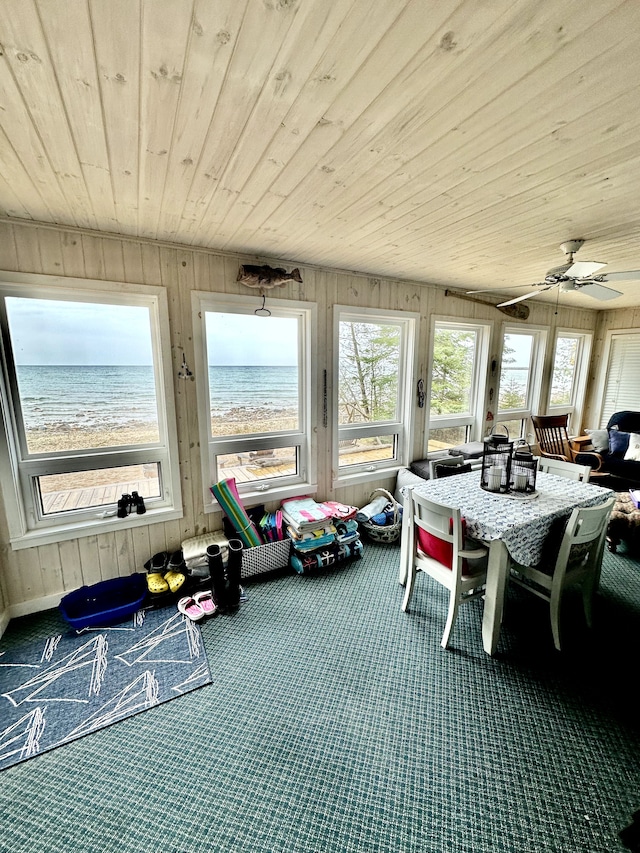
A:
{"x":92,"y":527}
{"x":354,"y":479}
{"x":269,"y":495}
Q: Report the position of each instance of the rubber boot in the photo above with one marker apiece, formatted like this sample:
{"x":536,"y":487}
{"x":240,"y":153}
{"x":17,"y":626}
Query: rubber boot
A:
{"x":218,"y":582}
{"x":234,"y":571}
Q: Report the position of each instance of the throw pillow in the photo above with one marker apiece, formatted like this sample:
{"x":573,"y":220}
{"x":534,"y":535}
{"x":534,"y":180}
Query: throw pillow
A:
{"x":421,"y":468}
{"x":633,"y":451}
{"x":599,"y":439}
{"x":405,"y":478}
{"x":471,"y":450}
{"x":451,"y":470}
{"x":618,"y":442}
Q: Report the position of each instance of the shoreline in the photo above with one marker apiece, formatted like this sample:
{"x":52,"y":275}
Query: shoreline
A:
{"x":237,"y":421}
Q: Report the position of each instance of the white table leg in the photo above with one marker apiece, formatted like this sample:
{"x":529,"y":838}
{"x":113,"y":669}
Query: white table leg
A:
{"x":497,"y":572}
{"x":407,"y":517}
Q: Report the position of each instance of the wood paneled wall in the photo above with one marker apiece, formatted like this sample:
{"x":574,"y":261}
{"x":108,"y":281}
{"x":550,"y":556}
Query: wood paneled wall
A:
{"x":35,"y":577}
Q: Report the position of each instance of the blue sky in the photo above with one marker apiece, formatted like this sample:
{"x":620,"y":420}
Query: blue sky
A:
{"x":56,"y":332}
{"x":243,"y":339}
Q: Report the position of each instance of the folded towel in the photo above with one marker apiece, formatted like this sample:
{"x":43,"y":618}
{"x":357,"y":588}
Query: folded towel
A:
{"x":304,"y":513}
{"x":195,"y":549}
{"x":340,"y":511}
{"x":377,"y":505}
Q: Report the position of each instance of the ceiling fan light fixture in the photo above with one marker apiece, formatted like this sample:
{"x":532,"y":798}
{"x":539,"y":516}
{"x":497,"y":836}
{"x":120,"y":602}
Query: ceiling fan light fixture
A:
{"x":577,"y":276}
{"x":557,"y":273}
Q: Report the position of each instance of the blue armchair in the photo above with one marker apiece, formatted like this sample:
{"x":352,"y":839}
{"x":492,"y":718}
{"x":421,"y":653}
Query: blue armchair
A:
{"x":622,"y":473}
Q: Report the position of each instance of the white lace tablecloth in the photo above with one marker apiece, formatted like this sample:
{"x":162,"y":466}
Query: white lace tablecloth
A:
{"x":522,"y":524}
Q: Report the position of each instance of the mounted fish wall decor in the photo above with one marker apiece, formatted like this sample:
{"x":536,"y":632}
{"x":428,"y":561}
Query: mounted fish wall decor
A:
{"x":265,"y":277}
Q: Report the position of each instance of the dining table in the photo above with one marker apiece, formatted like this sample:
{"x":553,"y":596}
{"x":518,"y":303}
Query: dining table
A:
{"x":515,"y":526}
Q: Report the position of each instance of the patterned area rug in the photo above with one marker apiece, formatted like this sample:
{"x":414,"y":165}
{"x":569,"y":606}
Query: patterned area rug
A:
{"x":66,"y":686}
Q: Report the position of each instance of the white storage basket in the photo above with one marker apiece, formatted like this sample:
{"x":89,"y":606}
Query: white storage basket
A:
{"x":384,"y":532}
{"x":265,"y":558}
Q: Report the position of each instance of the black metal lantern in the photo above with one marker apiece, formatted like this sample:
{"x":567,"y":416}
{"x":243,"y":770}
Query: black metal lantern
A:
{"x":496,"y":462}
{"x":524,"y":467}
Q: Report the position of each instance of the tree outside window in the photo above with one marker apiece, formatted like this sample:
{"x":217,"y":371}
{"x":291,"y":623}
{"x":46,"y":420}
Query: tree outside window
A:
{"x":369,"y":365}
{"x":373,"y":364}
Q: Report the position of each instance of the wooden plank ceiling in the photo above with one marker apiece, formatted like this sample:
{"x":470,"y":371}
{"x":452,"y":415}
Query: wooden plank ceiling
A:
{"x":457,"y":142}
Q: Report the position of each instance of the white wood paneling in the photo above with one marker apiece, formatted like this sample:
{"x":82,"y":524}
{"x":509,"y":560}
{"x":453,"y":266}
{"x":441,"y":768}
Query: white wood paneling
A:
{"x":456,"y":142}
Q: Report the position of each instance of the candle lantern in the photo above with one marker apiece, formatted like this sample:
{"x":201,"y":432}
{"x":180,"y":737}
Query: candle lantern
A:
{"x":496,"y":462}
{"x":524,"y":467}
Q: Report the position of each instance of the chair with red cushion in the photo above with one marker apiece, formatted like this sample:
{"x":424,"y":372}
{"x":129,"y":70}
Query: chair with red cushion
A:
{"x":437,"y":547}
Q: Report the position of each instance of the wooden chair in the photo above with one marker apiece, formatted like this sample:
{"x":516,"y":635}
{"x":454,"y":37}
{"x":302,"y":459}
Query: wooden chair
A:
{"x":570,"y":470}
{"x":552,"y":437}
{"x":436,"y":547}
{"x":578,"y":562}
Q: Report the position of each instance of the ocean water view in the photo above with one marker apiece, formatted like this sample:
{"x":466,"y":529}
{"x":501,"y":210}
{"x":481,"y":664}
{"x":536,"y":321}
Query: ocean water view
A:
{"x":271,"y":389}
{"x":58,"y":397}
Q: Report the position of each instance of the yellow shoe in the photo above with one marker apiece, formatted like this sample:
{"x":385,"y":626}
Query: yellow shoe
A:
{"x":174,"y":580}
{"x":156,"y":583}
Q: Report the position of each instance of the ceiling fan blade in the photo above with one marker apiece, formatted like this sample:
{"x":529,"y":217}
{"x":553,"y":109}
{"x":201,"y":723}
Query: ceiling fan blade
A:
{"x":526,"y":296}
{"x":494,"y":289}
{"x":598,"y":291}
{"x":629,"y":275}
{"x":583,"y":269}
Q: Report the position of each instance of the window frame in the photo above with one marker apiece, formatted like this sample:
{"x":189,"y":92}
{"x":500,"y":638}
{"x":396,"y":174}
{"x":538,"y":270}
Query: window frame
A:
{"x":575,"y":407}
{"x":20,"y":469}
{"x":276,"y":488}
{"x":474,"y":419}
{"x":536,"y":372}
{"x":402,"y":427}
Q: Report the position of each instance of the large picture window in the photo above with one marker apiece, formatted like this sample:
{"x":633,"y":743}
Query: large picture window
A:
{"x":255,"y":392}
{"x":458,"y":371}
{"x":85,"y":404}
{"x":520,"y":378}
{"x":374,"y":365}
{"x":569,"y":376}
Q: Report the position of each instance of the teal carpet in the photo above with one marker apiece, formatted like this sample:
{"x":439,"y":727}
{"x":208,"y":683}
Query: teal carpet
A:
{"x":337,"y":723}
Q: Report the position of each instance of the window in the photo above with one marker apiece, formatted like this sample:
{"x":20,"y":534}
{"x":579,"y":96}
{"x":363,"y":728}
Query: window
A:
{"x":85,"y":399}
{"x":520,"y":378}
{"x":458,"y":370}
{"x":255,"y":395}
{"x":569,"y":376}
{"x":621,"y":387}
{"x":373,"y":363}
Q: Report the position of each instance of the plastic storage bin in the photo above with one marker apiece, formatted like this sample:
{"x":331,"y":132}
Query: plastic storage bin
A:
{"x":104,"y":603}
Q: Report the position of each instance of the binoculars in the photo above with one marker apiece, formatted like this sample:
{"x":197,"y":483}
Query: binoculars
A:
{"x":127,"y":503}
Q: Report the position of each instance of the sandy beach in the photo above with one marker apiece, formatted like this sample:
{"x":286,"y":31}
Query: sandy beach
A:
{"x":238,"y":421}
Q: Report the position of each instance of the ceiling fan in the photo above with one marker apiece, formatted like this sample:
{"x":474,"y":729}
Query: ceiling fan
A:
{"x":576,"y":275}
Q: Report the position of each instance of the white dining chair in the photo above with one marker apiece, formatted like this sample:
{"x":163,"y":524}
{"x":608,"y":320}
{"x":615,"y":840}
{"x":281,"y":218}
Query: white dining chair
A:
{"x":437,"y":548}
{"x":578,"y":562}
{"x":570,"y":470}
{"x":448,"y":462}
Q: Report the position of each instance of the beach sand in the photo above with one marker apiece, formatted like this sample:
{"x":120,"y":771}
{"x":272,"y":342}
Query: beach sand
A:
{"x":61,"y":437}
